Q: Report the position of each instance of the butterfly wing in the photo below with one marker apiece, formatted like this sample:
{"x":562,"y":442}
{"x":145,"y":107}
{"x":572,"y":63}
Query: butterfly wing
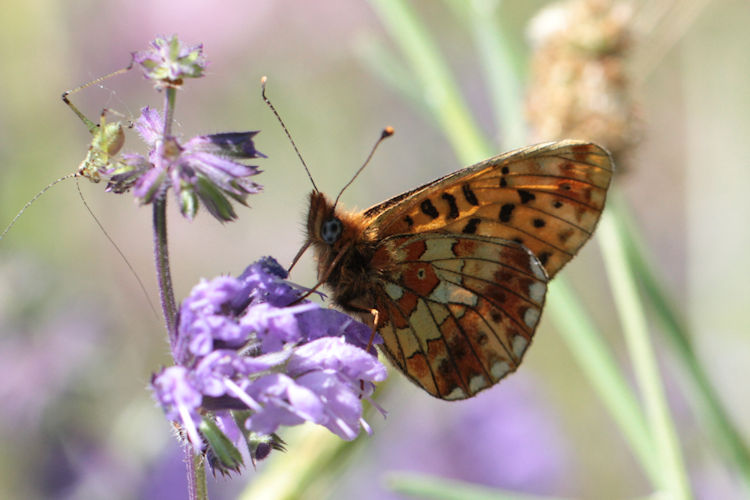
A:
{"x":464,"y":261}
{"x":547,"y":197}
{"x":457,"y":311}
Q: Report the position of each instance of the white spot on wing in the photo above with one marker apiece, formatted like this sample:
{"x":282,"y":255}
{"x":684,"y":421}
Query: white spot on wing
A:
{"x":448,"y":293}
{"x":499,"y":369}
{"x":536,"y":268}
{"x":530,"y":317}
{"x":519,"y":345}
{"x":438,"y":248}
{"x":394,"y":291}
{"x":477,"y":383}
{"x":456,"y":393}
{"x":537,"y":291}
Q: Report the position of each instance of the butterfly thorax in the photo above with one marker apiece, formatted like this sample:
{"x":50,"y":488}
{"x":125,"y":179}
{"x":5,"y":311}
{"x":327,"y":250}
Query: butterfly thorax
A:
{"x":344,"y":247}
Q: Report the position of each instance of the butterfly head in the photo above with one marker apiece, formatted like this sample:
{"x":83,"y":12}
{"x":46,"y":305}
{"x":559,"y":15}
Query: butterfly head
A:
{"x":330,"y":230}
{"x":324,"y":225}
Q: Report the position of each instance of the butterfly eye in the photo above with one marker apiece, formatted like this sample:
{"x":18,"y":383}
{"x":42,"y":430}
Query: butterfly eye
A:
{"x":331,"y":230}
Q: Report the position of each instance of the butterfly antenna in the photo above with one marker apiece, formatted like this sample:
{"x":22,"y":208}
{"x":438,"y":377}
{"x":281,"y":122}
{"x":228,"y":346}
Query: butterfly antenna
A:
{"x":286,"y":131}
{"x":127,"y":262}
{"x":32,"y":200}
{"x":387,"y":132}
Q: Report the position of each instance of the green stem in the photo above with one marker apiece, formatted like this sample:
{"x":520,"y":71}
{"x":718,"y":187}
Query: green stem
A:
{"x":161,"y":250}
{"x":440,"y":91}
{"x":719,"y":425}
{"x":196,"y":473}
{"x":170,"y":98}
{"x":673,"y":480}
{"x":161,"y":255}
{"x":191,"y":468}
{"x":500,"y":66}
{"x":594,"y":358}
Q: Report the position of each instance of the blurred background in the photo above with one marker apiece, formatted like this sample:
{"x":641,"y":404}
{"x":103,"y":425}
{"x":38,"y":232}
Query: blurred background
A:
{"x":78,"y":340}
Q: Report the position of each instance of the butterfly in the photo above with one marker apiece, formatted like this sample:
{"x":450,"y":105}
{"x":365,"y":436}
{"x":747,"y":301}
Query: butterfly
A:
{"x":455,"y":272}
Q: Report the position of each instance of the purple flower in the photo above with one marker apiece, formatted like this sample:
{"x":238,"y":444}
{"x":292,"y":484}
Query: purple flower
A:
{"x":168,"y":61}
{"x":265,"y":281}
{"x":178,"y":397}
{"x":335,"y":371}
{"x":203,"y":169}
{"x":206,"y":318}
{"x":267,"y":365}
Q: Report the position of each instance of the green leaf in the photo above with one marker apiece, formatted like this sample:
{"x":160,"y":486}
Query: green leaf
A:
{"x":227,"y":456}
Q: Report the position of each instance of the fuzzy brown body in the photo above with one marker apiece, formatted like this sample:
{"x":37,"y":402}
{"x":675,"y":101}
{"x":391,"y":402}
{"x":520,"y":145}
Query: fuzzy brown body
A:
{"x":352,"y":279}
{"x":458,"y":268}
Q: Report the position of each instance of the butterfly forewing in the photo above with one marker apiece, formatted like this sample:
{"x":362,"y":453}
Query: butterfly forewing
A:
{"x":546,"y":197}
{"x":457,"y":312}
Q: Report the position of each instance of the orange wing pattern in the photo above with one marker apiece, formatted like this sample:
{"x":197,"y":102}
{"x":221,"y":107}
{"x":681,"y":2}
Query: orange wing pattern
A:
{"x":547,"y":197}
{"x":458,"y":311}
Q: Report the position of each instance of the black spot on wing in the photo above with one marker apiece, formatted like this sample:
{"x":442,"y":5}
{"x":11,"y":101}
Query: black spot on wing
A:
{"x":452,"y":207}
{"x":544,"y":257}
{"x":526,"y":196}
{"x":471,"y":226}
{"x":429,"y":209}
{"x":506,"y":211}
{"x":469,"y":195}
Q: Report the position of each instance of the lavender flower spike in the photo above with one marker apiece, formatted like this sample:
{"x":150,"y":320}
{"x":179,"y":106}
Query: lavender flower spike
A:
{"x":247,"y":347}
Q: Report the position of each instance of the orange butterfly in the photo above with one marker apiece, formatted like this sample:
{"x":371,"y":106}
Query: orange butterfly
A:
{"x":455,"y":272}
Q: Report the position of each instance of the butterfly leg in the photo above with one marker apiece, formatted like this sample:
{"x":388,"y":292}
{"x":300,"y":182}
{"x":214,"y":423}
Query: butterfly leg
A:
{"x":375,"y":317}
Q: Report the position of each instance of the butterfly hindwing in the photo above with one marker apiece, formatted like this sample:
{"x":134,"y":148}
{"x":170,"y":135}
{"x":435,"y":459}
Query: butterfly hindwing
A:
{"x":457,"y":312}
{"x":547,"y":197}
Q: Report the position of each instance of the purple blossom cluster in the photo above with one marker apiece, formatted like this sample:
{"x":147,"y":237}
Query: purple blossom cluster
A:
{"x":253,"y":357}
{"x":206,"y":169}
{"x":168,"y":61}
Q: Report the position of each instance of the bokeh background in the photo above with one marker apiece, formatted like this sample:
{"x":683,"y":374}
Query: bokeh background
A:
{"x":78,"y":340}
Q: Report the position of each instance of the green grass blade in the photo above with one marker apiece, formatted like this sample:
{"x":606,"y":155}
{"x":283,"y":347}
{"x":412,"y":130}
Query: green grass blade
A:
{"x":632,"y":316}
{"x":440,"y":91}
{"x":601,"y":370}
{"x":390,"y":70}
{"x":719,"y":425}
{"x":500,"y":65}
{"x":436,"y":488}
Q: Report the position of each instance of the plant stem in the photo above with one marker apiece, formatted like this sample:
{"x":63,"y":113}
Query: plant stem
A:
{"x":161,"y":251}
{"x":675,"y":330}
{"x":196,"y":474}
{"x":673,"y":481}
{"x":161,"y":255}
